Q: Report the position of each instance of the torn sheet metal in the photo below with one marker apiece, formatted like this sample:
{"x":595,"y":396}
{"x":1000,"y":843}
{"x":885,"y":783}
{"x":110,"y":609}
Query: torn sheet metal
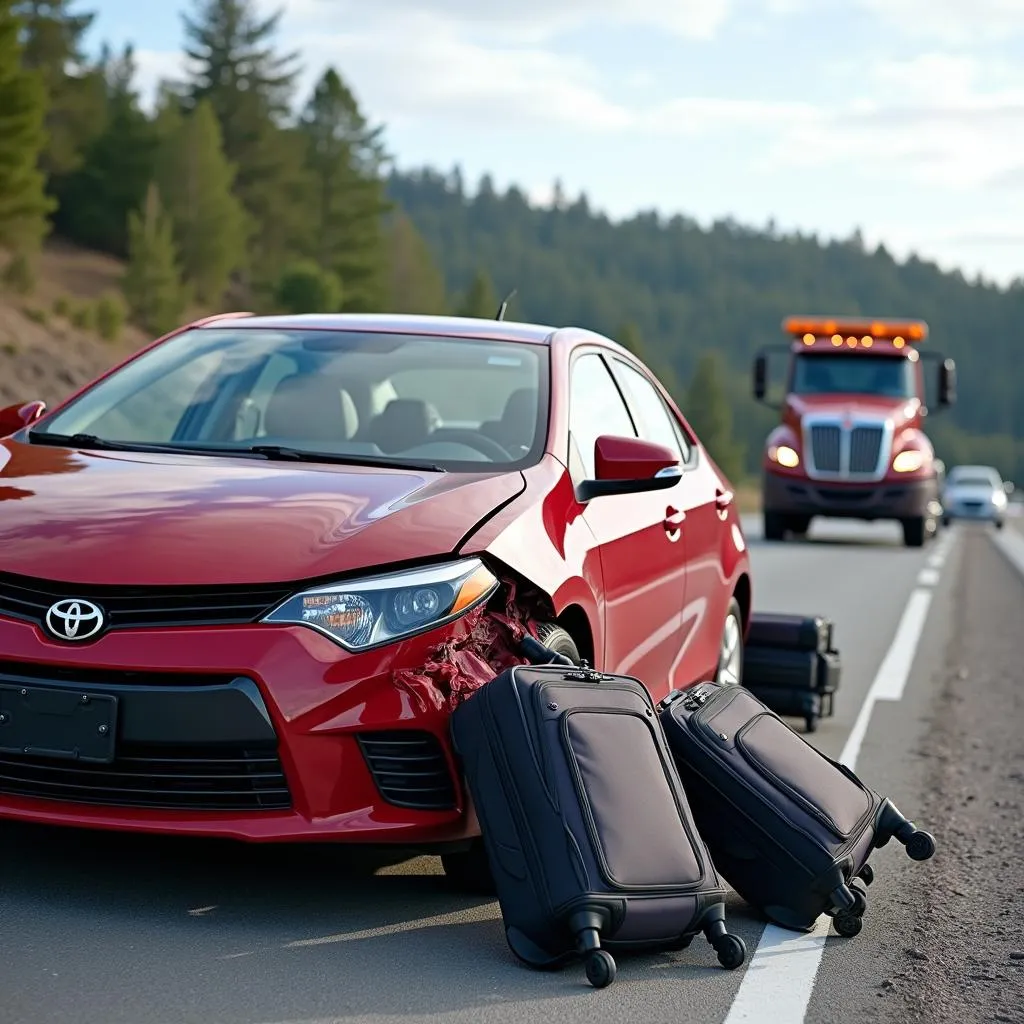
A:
{"x":487,"y":646}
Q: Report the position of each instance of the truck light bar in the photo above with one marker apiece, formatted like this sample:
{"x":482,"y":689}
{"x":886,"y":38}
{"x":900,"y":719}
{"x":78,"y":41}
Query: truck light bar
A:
{"x":855,"y":333}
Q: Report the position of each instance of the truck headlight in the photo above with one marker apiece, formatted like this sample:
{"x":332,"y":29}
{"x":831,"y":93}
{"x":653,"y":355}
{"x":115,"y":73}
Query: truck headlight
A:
{"x":908,"y":461}
{"x":364,"y":613}
{"x":784,"y":456}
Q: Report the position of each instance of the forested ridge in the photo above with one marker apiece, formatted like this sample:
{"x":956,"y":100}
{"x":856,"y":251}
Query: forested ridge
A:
{"x":237,"y":192}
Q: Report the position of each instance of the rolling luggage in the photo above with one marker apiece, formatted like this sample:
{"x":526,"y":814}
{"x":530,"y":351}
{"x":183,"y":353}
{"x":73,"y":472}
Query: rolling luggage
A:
{"x":791,"y":664}
{"x":789,"y":828}
{"x":587,"y":829}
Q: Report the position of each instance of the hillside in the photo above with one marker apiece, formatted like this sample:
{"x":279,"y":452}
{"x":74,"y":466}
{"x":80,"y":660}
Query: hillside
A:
{"x":688,"y":289}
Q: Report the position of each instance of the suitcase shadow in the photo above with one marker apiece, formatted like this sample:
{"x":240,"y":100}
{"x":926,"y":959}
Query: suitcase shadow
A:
{"x":293,"y":933}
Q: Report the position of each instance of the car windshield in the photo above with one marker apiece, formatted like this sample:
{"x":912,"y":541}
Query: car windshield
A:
{"x":853,"y":374}
{"x":459,"y":404}
{"x":973,"y":478}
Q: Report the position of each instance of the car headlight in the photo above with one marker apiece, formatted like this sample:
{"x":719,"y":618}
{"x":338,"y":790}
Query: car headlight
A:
{"x":908,"y":461}
{"x":363,"y":613}
{"x":784,"y":456}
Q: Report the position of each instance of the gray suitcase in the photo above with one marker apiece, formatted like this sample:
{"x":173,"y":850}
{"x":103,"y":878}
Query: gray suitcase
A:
{"x":587,"y":829}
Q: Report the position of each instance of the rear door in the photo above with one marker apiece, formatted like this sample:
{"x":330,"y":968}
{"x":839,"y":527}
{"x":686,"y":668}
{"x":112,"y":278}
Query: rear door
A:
{"x":639,"y":537}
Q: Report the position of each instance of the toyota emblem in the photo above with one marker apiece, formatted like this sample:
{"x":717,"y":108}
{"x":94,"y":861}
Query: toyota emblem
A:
{"x":74,"y":619}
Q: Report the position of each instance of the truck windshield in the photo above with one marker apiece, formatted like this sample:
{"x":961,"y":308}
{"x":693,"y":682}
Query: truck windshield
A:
{"x":853,"y":374}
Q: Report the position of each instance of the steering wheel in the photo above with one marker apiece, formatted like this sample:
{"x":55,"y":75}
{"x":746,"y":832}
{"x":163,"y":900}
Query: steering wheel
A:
{"x":471,"y":439}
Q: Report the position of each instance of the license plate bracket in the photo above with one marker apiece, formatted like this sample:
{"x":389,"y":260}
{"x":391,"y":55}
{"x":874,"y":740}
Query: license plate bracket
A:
{"x":66,"y":725}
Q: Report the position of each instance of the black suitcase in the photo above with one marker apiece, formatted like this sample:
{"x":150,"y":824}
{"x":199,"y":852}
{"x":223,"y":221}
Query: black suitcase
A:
{"x":586,"y":825}
{"x":789,"y":828}
{"x":790,"y":663}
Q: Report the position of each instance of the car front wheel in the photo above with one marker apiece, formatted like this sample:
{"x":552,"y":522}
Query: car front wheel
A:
{"x":730,"y":656}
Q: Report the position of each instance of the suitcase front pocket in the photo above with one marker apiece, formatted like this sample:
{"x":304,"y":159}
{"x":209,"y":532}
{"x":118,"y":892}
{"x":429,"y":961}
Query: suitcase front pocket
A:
{"x":811,"y":779}
{"x":637,"y":827}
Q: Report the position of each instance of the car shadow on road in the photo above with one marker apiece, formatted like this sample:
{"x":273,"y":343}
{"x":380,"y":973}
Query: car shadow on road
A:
{"x":296,"y":933}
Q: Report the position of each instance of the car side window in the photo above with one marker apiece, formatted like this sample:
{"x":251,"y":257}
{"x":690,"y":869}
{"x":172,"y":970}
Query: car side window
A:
{"x":654,"y":420}
{"x":595,"y":408}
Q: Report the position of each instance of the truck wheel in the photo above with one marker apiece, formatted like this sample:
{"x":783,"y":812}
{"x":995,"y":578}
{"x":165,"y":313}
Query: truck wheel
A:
{"x":774,"y":526}
{"x":914,"y":532}
{"x":799,"y":525}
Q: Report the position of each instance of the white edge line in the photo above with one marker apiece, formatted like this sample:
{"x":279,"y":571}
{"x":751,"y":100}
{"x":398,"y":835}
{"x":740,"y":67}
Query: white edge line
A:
{"x":1012,"y":546}
{"x":777,"y":985}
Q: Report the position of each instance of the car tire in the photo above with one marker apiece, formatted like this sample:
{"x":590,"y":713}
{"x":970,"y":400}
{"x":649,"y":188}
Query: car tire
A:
{"x":469,"y":872}
{"x":774,"y":526}
{"x":1000,"y":523}
{"x":558,"y":640}
{"x":915,"y":532}
{"x":730,"y":648}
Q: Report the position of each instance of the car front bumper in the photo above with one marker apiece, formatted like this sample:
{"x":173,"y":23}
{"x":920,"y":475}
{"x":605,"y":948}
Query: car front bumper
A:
{"x":887,"y":499}
{"x":980,"y":511}
{"x":261,"y":733}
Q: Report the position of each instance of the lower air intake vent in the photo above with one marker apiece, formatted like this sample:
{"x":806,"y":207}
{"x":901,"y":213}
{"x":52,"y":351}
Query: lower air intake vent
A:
{"x":409,"y":769}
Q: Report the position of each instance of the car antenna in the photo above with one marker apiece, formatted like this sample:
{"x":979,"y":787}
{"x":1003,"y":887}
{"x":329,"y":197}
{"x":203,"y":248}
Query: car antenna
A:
{"x":504,"y":305}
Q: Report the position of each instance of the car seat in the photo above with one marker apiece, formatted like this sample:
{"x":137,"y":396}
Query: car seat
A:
{"x":310,"y":407}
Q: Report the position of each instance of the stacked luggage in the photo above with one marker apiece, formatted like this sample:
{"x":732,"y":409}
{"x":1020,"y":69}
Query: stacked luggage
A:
{"x":606,"y":819}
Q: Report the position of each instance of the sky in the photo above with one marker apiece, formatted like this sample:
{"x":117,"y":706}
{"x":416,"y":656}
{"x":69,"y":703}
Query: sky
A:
{"x":901,"y":118}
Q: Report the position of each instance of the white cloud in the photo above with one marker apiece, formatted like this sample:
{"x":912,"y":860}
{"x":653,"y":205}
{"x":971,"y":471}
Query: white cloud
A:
{"x":954,"y":22}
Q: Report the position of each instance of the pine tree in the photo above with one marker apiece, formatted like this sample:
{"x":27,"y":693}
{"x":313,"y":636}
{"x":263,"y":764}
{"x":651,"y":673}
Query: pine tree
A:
{"x":53,"y":35}
{"x":116,"y":169}
{"x":235,"y":67}
{"x":345,"y":158}
{"x":628,"y":336}
{"x":152,"y":283}
{"x":23,"y":203}
{"x":195,"y":183}
{"x":415,"y":284}
{"x":708,"y":412}
{"x":480,"y":299}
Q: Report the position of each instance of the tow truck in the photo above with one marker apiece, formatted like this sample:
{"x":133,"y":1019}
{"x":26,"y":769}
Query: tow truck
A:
{"x":850,"y":442}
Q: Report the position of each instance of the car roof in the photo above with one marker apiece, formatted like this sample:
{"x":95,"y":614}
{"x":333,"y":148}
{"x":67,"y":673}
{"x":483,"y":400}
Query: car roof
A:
{"x":989,"y":471}
{"x":398,"y":323}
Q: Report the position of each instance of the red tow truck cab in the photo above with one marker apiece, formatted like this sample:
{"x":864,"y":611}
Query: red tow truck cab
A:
{"x":850,"y":442}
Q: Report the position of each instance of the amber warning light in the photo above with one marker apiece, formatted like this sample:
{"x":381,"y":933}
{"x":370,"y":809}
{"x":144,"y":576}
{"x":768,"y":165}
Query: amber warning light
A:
{"x":855,"y":333}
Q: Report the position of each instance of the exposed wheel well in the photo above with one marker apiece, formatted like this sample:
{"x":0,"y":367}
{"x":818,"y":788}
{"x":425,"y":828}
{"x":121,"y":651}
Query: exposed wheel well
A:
{"x":575,"y":622}
{"x":742,"y":595}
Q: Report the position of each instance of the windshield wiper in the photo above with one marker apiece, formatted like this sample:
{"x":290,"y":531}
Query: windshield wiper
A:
{"x":78,"y":441}
{"x":285,"y":454}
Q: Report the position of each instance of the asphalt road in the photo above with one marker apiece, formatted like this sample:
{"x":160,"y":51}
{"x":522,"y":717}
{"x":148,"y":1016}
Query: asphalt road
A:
{"x":104,"y":929}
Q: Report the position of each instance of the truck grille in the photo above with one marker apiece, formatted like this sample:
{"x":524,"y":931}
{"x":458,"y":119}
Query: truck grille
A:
{"x":409,"y":769}
{"x":846,"y":452}
{"x":825,"y":447}
{"x":165,"y":778}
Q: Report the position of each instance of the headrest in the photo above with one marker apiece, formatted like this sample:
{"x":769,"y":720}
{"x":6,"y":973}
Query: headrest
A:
{"x":404,"y":423}
{"x":310,"y":407}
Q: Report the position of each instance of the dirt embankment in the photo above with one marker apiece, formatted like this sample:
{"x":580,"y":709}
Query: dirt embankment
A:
{"x":966,"y":961}
{"x":42,"y":353}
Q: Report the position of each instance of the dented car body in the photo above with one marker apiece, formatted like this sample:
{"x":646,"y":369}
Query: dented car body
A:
{"x":246,"y":575}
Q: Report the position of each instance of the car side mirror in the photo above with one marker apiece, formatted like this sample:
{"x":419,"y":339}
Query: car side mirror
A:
{"x":15,"y":417}
{"x":1009,"y":487}
{"x":629,"y":465}
{"x":947,"y":383}
{"x":760,"y":376}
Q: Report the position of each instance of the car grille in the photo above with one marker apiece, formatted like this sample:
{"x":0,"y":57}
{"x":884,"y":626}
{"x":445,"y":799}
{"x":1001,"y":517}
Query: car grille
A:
{"x":865,"y":447}
{"x":845,"y":452}
{"x":214,"y":779}
{"x":24,"y":597}
{"x":409,"y":769}
{"x":825,"y":448}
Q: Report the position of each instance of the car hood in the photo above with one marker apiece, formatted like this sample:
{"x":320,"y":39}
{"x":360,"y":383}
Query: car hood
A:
{"x":902,"y":412}
{"x":140,"y":518}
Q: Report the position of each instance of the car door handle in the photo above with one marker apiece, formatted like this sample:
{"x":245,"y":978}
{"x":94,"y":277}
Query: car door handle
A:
{"x":673,"y":521}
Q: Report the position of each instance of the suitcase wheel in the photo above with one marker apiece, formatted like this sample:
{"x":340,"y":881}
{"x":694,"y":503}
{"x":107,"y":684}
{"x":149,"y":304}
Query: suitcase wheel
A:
{"x":920,"y":845}
{"x":600,"y":968}
{"x":731,"y":950}
{"x":866,"y":874}
{"x":848,"y":925}
{"x":860,"y":901}
{"x":811,"y":723}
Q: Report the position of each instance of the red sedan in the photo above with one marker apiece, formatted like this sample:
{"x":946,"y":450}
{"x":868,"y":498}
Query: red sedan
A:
{"x":246,"y":574}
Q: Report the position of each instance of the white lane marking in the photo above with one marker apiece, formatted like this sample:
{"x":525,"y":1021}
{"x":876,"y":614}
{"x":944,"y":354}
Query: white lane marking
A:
{"x":1011,"y":544}
{"x":928,"y":577}
{"x":776,"y":987}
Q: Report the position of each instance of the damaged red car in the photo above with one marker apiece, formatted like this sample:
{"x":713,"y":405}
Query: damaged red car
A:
{"x":246,"y":575}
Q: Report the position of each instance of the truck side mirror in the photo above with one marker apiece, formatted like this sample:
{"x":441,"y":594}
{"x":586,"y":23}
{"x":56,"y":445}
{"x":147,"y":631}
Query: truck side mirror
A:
{"x":760,"y":376}
{"x":947,"y":382}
